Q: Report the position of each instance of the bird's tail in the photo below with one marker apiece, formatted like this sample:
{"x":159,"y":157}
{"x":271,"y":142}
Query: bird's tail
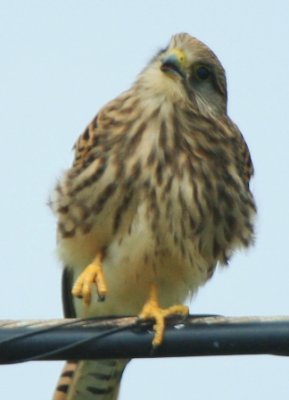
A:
{"x":90,"y":380}
{"x":86,"y":380}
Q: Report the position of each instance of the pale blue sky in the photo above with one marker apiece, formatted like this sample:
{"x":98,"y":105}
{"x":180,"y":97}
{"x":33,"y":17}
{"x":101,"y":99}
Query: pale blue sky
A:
{"x":60,"y":62}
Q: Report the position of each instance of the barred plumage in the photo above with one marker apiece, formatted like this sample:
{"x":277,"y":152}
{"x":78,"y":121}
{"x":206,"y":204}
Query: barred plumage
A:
{"x":86,"y":380}
{"x":159,"y":186}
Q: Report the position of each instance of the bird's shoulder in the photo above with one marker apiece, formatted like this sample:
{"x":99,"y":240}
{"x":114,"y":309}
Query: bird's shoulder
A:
{"x":85,"y":142}
{"x":103,"y":130}
{"x":248,"y":168}
{"x":243,"y":156}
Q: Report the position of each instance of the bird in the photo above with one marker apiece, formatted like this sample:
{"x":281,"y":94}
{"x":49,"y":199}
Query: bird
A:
{"x":157,"y":197}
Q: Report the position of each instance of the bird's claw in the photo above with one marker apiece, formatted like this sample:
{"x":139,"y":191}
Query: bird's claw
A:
{"x":152,"y":310}
{"x":93,"y":274}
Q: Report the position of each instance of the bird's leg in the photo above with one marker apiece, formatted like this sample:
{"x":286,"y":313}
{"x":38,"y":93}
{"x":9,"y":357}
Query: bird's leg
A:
{"x":152,"y":310}
{"x":92,"y":274}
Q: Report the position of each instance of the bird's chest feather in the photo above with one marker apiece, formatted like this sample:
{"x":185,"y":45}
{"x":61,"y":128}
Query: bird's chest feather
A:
{"x":139,"y":256}
{"x":163,"y":209}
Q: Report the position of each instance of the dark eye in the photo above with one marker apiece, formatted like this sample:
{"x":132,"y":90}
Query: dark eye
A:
{"x":202,"y":73}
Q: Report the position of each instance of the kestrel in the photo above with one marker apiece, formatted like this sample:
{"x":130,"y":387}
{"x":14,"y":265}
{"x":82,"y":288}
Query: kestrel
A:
{"x":157,"y":196}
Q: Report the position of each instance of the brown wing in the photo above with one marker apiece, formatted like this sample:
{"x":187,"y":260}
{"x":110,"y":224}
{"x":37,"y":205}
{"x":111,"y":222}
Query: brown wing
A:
{"x":247,"y":164}
{"x":84,"y":143}
{"x":242,"y":153}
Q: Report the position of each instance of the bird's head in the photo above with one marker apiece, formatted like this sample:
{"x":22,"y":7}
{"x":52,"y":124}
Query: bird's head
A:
{"x":188,"y":70}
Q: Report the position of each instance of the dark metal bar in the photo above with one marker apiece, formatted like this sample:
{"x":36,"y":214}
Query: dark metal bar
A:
{"x":126,"y":337}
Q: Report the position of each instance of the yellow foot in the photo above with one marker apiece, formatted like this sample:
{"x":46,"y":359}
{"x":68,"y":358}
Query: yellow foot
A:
{"x":152,"y":310}
{"x":93,"y":274}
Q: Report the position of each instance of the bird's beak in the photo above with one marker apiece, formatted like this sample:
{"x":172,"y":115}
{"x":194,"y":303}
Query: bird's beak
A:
{"x":174,"y":63}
